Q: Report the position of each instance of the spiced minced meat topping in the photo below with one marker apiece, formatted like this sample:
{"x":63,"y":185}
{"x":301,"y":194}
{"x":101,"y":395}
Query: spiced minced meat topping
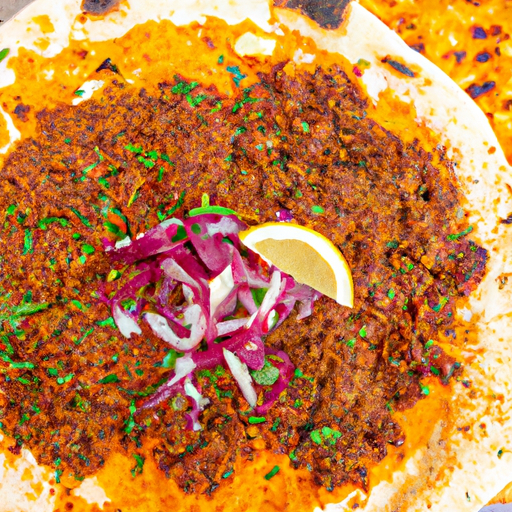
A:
{"x":71,"y":385}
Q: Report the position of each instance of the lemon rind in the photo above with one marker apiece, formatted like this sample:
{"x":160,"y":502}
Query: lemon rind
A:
{"x":327,"y":250}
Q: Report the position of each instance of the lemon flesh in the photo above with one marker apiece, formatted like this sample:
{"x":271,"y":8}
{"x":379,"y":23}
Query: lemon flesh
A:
{"x":306,"y":255}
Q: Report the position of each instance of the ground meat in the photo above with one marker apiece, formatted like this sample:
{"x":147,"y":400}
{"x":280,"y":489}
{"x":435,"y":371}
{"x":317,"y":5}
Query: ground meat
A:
{"x":71,"y":384}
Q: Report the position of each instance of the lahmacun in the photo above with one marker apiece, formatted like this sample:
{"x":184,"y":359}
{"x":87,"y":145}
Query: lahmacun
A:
{"x":149,"y":358}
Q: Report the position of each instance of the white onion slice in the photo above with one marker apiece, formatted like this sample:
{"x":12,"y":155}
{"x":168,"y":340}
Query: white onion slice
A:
{"x":172,"y":269}
{"x":229,"y":326}
{"x":201,"y":402}
{"x":125,"y":242}
{"x":242,"y":377}
{"x":220,"y":288}
{"x":269,"y":301}
{"x":188,"y":294}
{"x":125,"y":323}
{"x":184,"y":366}
{"x":272,"y":319}
{"x":193,"y":315}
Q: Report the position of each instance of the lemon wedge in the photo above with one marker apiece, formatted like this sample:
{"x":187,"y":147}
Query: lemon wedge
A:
{"x":309,"y":257}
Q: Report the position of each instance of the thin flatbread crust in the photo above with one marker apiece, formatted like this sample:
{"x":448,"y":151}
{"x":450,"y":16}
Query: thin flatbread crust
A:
{"x":460,"y":460}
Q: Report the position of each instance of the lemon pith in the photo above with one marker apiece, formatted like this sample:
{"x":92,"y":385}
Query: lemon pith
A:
{"x":306,"y":255}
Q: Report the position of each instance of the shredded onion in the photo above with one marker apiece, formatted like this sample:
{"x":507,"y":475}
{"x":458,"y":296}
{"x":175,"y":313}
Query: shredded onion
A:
{"x":193,"y":316}
{"x":230,"y":326}
{"x":242,"y":377}
{"x":198,"y":405}
{"x":229,"y":301}
{"x":125,"y":323}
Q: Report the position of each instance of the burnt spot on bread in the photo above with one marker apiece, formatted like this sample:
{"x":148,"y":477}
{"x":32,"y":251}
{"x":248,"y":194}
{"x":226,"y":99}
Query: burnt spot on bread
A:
{"x":99,"y":7}
{"x":21,"y":112}
{"x":327,"y":13}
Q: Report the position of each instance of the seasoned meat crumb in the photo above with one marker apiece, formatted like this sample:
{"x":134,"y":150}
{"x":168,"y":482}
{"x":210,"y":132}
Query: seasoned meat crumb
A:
{"x":71,"y":384}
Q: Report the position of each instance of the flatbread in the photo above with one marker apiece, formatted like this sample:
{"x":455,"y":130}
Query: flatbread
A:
{"x":458,"y":440}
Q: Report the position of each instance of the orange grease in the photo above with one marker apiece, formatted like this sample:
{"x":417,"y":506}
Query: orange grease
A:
{"x":37,"y":488}
{"x":445,"y":27}
{"x":27,"y":475}
{"x":246,"y":489}
{"x":44,"y":23}
{"x":4,"y":132}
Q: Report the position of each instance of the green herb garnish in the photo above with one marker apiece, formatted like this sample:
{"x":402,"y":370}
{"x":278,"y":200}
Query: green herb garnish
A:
{"x":272,"y":473}
{"x":64,"y":380}
{"x":4,"y":54}
{"x":219,"y":210}
{"x":84,"y":220}
{"x":137,"y":470}
{"x":109,"y":322}
{"x":195,"y":100}
{"x":109,"y":379}
{"x":461,"y":234}
{"x":88,"y":249}
{"x":170,"y":211}
{"x":28,"y":243}
{"x":133,"y":149}
{"x":255,"y":420}
{"x":238,"y":75}
{"x":43,"y":223}
{"x":267,"y":376}
{"x":130,"y":423}
{"x":184,"y":87}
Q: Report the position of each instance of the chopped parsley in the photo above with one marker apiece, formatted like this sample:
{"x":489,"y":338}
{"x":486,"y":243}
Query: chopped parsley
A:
{"x":184,"y":87}
{"x":137,"y":470}
{"x":267,"y":376}
{"x":109,"y":379}
{"x":456,"y":236}
{"x":255,"y":420}
{"x":170,"y":211}
{"x":28,"y":244}
{"x":109,"y":322}
{"x":195,"y":100}
{"x":43,"y":223}
{"x":424,"y":389}
{"x":88,"y":249}
{"x":84,"y":220}
{"x":238,"y":75}
{"x":3,"y":54}
{"x":273,"y":472}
